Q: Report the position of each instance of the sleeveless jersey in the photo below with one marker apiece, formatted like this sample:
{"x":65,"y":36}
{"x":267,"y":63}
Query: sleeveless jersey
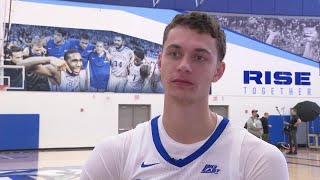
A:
{"x":120,"y":59}
{"x":135,"y":81}
{"x":71,"y":83}
{"x":147,"y":152}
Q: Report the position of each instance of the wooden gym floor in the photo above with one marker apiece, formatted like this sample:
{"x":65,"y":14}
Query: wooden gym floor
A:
{"x":66,"y":165}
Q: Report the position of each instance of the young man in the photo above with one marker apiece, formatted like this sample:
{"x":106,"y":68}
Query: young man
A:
{"x":138,"y":72}
{"x":35,"y":81}
{"x":254,"y":125}
{"x":58,"y":45}
{"x":64,"y":75}
{"x":16,"y":56}
{"x":293,"y":127}
{"x":265,"y":126}
{"x":121,"y":57}
{"x":84,"y":47}
{"x":99,"y":66}
{"x":187,"y":141}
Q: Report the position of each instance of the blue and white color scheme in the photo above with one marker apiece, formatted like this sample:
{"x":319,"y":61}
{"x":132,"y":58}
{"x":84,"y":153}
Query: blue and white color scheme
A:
{"x":225,"y":154}
{"x":244,"y":55}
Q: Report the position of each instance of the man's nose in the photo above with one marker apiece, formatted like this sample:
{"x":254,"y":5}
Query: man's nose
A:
{"x":185,"y":65}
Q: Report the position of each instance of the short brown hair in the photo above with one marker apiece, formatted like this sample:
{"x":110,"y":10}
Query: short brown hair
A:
{"x":202,"y":23}
{"x":36,"y":41}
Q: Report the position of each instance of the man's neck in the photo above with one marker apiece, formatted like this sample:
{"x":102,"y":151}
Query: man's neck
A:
{"x":59,"y":43}
{"x":188,"y":123}
{"x":100,"y":53}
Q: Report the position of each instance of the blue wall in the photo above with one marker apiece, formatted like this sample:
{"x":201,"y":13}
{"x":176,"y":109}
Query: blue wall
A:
{"x":314,"y":126}
{"x":19,"y":131}
{"x":268,"y":7}
{"x":276,"y":133}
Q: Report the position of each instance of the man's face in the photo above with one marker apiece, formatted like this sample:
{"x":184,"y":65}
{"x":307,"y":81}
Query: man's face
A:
{"x":17,"y":57}
{"x":57,"y":38}
{"x":254,"y":114}
{"x":189,"y":64}
{"x":99,"y":47}
{"x":37,"y":50}
{"x":118,"y":42}
{"x":137,"y":61}
{"x":84,"y":43}
{"x":310,"y":33}
{"x":75,"y":63}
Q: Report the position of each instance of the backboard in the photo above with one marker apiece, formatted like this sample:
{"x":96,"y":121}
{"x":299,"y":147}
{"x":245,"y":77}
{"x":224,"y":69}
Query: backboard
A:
{"x":12,"y":77}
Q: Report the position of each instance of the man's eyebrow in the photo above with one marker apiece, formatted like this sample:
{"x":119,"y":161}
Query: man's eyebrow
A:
{"x":174,"y":46}
{"x":202,"y":50}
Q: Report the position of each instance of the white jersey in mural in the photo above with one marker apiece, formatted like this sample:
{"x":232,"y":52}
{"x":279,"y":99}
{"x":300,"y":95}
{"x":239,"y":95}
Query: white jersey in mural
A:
{"x":120,"y":59}
{"x":71,"y":83}
{"x":135,"y":81}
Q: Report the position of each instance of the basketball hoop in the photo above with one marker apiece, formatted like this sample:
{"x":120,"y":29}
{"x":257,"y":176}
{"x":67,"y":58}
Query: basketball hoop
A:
{"x":3,"y":87}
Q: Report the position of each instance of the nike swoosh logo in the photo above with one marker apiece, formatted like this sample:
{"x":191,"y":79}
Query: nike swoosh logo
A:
{"x":143,"y":165}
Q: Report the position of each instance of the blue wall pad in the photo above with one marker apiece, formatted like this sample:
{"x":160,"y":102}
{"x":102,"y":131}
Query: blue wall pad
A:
{"x":276,"y":133}
{"x":314,"y":126}
{"x":19,"y":131}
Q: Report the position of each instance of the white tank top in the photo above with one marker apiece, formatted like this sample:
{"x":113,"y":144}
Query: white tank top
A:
{"x":71,"y":83}
{"x":230,"y":152}
{"x":135,"y":81}
{"x":152,"y":161}
{"x":120,"y":59}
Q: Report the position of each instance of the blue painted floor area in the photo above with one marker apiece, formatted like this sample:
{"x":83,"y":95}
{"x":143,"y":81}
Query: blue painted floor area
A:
{"x":29,"y":165}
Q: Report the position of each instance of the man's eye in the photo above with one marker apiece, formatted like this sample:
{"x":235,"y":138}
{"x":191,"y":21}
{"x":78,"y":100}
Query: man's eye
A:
{"x":200,"y":58}
{"x":174,"y":54}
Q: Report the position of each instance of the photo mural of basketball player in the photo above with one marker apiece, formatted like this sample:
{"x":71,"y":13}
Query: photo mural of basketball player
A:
{"x":295,"y":35}
{"x":138,"y":72}
{"x":84,"y":46}
{"x":99,"y":65}
{"x":122,"y":76}
{"x":58,"y":45}
{"x":64,"y":75}
{"x":121,"y":58}
{"x":35,"y":81}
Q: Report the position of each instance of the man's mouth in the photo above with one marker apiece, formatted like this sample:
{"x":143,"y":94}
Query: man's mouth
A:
{"x":182,"y":81}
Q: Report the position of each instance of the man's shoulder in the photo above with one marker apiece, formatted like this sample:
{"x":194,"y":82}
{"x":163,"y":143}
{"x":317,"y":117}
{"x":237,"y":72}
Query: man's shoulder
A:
{"x":50,"y":42}
{"x":258,"y":146}
{"x":125,"y":139}
{"x":250,"y":118}
{"x":258,"y":153}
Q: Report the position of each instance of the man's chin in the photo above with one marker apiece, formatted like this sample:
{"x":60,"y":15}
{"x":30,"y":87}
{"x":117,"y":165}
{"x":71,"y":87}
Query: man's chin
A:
{"x":76,"y":72}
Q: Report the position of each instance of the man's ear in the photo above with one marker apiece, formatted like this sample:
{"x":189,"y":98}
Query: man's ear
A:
{"x":219,"y":72}
{"x":159,"y":61}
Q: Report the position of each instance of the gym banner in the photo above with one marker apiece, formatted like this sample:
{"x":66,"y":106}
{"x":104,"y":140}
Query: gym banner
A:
{"x":299,"y":36}
{"x":98,"y":60}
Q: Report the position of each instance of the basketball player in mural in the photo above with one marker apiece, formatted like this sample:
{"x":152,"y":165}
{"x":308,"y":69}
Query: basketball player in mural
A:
{"x":121,"y":57}
{"x":99,"y":66}
{"x":187,"y":141}
{"x":310,"y":37}
{"x":138,"y":72}
{"x":84,"y":46}
{"x":16,"y":57}
{"x":35,"y":81}
{"x":58,"y":45}
{"x":64,"y":75}
{"x":153,"y":82}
